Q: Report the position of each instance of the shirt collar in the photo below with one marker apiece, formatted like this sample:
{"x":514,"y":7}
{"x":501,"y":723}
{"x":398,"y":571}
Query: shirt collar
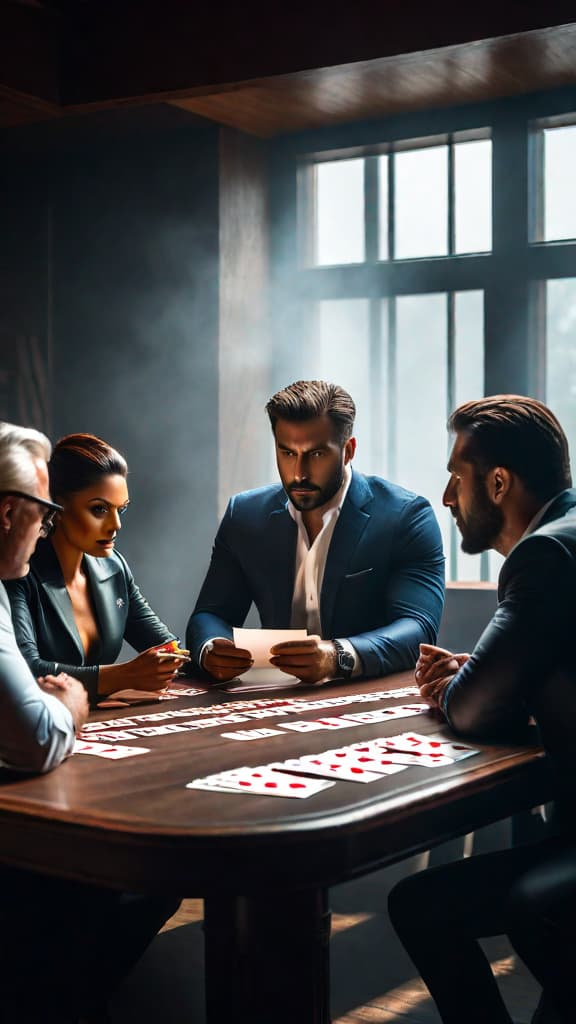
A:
{"x":537,"y":519}
{"x":335,"y":502}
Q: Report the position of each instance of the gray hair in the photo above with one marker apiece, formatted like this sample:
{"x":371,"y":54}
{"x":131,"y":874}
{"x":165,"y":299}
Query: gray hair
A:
{"x":19,"y":446}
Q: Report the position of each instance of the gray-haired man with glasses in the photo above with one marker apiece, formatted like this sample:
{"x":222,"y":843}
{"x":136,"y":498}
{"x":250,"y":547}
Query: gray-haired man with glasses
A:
{"x":55,"y":932}
{"x":37,"y":722}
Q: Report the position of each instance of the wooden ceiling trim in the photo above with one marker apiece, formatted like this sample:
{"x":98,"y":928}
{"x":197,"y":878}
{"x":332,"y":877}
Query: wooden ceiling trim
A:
{"x":469,"y":73}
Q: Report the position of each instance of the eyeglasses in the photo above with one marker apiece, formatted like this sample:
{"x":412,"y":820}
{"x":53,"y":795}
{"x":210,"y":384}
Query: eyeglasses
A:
{"x":48,"y":517}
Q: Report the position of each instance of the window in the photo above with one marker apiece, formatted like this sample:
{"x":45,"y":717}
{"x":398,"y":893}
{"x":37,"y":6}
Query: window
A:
{"x":339,"y":193}
{"x":431,"y":199}
{"x":557,"y":153}
{"x":561,"y":355}
{"x":433,"y":269}
{"x":407,"y":359}
{"x":426,"y":356}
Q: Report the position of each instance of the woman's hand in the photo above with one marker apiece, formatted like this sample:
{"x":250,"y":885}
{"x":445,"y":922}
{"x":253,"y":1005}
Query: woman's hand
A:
{"x":151,"y":670}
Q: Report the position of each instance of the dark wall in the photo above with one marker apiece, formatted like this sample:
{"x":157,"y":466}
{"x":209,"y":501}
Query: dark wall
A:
{"x":131,"y":264}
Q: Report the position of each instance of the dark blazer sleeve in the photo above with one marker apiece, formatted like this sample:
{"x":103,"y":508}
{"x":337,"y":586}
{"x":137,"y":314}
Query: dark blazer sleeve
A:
{"x":143,"y":627}
{"x":24,"y":599}
{"x":225,"y":597}
{"x":413,"y":595}
{"x":522,"y":648}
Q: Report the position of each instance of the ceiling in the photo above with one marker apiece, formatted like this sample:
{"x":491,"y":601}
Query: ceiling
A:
{"x":269,"y":70}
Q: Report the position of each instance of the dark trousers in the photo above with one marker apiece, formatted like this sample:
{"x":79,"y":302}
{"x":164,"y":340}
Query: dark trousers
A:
{"x":527,"y":893}
{"x":65,"y":946}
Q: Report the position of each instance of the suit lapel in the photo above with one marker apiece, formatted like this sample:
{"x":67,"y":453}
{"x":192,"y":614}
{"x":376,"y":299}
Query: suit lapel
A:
{"x":352,"y":522}
{"x":110,"y":615}
{"x":52,"y":583}
{"x":279,"y":550}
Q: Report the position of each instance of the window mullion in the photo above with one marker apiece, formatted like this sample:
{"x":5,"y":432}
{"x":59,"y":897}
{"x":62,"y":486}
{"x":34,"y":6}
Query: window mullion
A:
{"x":371,"y":208}
{"x":391,"y":388}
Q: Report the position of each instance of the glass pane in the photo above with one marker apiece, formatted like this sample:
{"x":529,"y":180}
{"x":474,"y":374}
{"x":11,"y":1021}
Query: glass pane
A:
{"x":342,"y":355}
{"x":468,"y":384}
{"x":473,"y":196}
{"x":421,"y":202}
{"x":559,"y":178}
{"x":561,"y":354}
{"x":383,"y":253}
{"x":339,"y":212}
{"x":421,"y":396}
{"x":495,"y":563}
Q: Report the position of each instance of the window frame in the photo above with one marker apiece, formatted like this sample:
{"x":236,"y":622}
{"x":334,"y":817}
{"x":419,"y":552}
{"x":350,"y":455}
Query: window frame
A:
{"x":512,"y":275}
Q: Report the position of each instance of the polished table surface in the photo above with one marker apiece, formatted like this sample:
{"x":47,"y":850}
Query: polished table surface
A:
{"x":258,"y":861}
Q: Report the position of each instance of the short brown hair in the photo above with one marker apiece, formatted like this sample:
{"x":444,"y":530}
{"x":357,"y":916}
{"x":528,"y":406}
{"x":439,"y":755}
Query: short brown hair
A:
{"x":80,"y":461}
{"x":307,"y":399}
{"x":519,"y":433}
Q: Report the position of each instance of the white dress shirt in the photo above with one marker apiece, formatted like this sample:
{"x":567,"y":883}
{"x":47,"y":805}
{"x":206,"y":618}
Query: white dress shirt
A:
{"x":310,"y":566}
{"x":36,"y":729}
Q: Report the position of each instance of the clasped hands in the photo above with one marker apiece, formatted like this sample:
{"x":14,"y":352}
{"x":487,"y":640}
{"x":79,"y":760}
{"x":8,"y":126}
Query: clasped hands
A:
{"x":311,"y":660}
{"x":435,"y":669}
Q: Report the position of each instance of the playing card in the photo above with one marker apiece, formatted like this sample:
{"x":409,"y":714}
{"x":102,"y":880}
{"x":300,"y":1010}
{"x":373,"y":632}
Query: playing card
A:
{"x":327,"y":769}
{"x":384,"y":714}
{"x":108,"y":751}
{"x":356,"y":759}
{"x":413,"y":742}
{"x":250,"y":734}
{"x":401,"y":757}
{"x":181,"y":691}
{"x":262,"y":780}
{"x":319,"y":723}
{"x":301,"y":726}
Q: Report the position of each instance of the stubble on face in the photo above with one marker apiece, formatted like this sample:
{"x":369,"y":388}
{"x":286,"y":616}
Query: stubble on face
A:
{"x":311,"y":460}
{"x":483,"y":522}
{"x":316,"y":496}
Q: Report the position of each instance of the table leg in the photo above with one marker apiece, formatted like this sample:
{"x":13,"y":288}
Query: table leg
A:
{"x":267,"y":958}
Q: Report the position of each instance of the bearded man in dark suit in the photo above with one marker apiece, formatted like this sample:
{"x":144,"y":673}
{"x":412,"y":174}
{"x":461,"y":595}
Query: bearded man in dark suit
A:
{"x":509,"y":489}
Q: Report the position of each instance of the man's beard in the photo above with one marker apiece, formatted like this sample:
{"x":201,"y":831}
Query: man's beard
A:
{"x":484,"y":521}
{"x":318,"y":496}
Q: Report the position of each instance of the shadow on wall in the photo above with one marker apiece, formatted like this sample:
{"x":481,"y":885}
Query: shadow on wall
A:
{"x":467,"y":611}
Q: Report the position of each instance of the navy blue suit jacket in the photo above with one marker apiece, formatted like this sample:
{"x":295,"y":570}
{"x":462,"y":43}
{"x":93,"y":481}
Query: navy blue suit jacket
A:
{"x":383,"y":586}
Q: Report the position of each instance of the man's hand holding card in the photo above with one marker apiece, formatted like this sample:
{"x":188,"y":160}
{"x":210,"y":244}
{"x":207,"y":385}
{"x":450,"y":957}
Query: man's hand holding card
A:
{"x":312,"y":660}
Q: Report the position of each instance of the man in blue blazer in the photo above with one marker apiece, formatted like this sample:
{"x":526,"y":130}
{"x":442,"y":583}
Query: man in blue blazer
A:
{"x":356,"y":560}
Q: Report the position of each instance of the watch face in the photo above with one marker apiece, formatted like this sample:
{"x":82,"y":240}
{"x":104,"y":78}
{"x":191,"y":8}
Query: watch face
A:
{"x":345,"y":661}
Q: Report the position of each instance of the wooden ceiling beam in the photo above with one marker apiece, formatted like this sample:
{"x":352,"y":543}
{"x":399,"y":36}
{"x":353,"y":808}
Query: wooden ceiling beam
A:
{"x":100,"y":51}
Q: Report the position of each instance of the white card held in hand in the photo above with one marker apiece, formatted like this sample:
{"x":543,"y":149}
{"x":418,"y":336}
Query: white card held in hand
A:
{"x":414,"y":742}
{"x":262,"y":781}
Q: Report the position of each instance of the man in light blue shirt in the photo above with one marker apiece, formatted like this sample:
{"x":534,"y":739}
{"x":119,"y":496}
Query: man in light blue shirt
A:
{"x":37,"y":724}
{"x":56,"y":934}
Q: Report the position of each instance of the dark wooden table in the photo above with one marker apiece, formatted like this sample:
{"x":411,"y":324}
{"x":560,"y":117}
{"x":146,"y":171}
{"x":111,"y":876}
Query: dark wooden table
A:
{"x":263,"y":865}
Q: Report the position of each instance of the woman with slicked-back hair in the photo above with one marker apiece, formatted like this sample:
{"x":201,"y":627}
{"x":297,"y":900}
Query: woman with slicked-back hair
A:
{"x":80,"y":602}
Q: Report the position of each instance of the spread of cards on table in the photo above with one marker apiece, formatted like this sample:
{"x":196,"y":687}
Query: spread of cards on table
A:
{"x":118,"y":738}
{"x":178,"y":720}
{"x":360,"y":762}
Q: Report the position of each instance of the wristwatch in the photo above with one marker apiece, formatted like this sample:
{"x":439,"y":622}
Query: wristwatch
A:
{"x":344,"y":660}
